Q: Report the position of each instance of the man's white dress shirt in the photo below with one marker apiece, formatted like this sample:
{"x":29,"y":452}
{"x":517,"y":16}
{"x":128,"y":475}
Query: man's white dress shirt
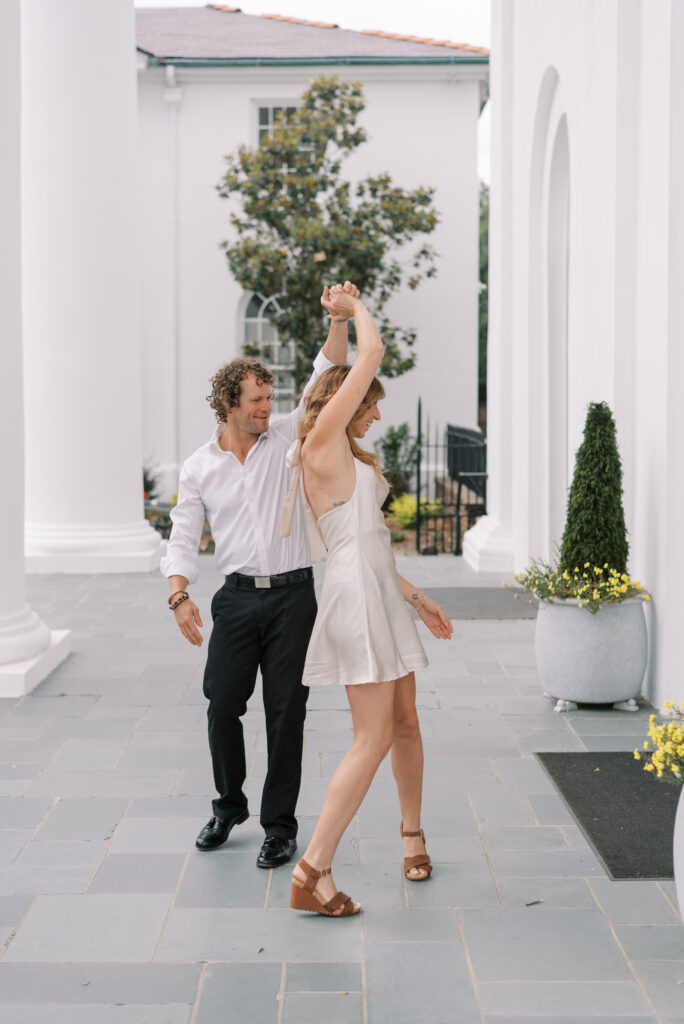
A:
{"x":243,"y":504}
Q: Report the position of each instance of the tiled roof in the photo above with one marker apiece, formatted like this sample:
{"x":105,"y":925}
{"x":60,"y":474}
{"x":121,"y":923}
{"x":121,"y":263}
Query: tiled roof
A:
{"x":222,"y":33}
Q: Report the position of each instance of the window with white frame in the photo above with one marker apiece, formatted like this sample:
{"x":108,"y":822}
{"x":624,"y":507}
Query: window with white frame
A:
{"x":262,"y":342}
{"x":268,"y":115}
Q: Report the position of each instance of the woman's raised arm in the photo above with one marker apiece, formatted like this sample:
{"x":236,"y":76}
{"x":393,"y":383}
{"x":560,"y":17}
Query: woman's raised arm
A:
{"x":339,"y":411}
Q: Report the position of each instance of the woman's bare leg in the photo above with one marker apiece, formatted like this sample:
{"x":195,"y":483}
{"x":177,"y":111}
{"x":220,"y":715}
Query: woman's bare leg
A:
{"x":372,"y":707}
{"x":407,"y":763}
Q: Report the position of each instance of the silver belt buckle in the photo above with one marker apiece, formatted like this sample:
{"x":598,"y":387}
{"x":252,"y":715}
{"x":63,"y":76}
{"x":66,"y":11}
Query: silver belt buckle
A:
{"x":262,"y":582}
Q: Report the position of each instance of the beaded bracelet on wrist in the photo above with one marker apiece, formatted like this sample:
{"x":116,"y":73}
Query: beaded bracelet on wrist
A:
{"x":183,"y":597}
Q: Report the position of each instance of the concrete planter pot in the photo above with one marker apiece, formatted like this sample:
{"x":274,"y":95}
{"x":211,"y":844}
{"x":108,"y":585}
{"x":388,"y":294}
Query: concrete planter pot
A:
{"x":678,"y":850}
{"x":591,"y":659}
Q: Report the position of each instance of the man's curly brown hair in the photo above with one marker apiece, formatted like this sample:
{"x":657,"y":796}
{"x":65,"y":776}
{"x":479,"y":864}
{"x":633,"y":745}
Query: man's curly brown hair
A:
{"x":226,"y":384}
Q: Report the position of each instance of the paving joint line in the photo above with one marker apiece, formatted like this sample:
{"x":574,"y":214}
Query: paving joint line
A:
{"x":281,"y":993}
{"x":15,"y":928}
{"x":364,"y":973}
{"x":172,"y":907}
{"x":194,"y":1010}
{"x":108,"y":843}
{"x":175,"y":782}
{"x":485,"y":850}
{"x":670,"y":902}
{"x":628,"y":962}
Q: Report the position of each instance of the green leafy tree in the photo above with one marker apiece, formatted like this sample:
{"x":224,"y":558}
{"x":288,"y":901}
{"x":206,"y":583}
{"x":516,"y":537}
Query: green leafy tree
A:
{"x":595,"y":530}
{"x":299,"y":224}
{"x":483,"y":299}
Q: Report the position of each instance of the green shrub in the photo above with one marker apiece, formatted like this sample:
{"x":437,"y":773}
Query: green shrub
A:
{"x":595,"y":531}
{"x":403,"y":509}
{"x":398,"y":451}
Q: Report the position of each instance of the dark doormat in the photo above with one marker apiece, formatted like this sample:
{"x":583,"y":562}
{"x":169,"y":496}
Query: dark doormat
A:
{"x":482,"y":602}
{"x":625,"y":813}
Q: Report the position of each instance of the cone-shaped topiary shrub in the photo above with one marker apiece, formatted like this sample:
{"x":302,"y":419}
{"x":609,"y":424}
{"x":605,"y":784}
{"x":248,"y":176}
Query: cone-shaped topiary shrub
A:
{"x":595,"y":529}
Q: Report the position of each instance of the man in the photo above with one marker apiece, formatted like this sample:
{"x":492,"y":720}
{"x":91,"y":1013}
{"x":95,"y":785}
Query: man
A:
{"x":264,"y":612}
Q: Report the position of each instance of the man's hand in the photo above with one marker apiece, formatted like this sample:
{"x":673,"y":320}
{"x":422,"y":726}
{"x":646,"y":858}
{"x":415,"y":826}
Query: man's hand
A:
{"x":340,"y":301}
{"x":187,"y":616}
{"x":329,"y":294}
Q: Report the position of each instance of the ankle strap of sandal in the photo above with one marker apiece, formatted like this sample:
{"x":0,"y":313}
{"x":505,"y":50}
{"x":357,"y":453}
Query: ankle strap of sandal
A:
{"x":410,"y":835}
{"x":312,"y":875}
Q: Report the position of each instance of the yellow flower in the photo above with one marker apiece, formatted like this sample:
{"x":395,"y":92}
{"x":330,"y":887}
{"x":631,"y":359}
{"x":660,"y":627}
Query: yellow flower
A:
{"x":648,"y":767}
{"x":637,"y":755}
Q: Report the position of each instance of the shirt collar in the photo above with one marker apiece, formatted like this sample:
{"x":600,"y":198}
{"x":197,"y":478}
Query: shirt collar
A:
{"x":218,"y":431}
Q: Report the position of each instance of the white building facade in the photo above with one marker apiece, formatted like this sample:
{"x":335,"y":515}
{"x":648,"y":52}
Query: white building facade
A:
{"x":586,"y":271}
{"x":208,"y":81}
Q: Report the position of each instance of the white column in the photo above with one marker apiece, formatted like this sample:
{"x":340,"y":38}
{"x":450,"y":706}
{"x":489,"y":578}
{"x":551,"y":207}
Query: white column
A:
{"x":489,"y":545}
{"x":82,"y":353}
{"x":28,"y":650}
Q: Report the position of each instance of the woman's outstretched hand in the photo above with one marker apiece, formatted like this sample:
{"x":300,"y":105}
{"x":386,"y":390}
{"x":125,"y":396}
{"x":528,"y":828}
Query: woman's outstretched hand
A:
{"x":340,"y":300}
{"x":435,"y":619}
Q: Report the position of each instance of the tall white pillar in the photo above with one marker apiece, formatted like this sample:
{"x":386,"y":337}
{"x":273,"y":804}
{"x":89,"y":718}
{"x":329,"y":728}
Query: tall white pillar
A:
{"x":28,"y":650}
{"x":488,"y":546}
{"x":84,"y":499}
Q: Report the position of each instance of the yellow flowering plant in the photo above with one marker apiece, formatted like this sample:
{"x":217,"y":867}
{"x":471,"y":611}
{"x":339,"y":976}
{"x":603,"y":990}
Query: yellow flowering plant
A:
{"x":663,"y":752}
{"x":590,"y":585}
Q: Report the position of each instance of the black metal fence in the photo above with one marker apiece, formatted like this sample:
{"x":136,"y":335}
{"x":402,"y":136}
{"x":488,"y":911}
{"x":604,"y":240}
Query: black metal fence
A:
{"x":451,"y":485}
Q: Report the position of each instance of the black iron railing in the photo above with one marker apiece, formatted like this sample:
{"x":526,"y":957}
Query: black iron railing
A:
{"x":451,"y":485}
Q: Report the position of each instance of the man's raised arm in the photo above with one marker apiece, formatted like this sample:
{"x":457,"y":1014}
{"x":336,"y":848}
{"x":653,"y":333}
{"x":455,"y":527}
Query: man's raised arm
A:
{"x":333,"y":353}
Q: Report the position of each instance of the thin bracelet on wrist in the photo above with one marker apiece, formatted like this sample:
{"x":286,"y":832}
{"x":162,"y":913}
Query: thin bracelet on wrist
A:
{"x":179,"y":600}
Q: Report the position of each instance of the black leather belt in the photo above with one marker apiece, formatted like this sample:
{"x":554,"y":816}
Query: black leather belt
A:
{"x":281,"y":579}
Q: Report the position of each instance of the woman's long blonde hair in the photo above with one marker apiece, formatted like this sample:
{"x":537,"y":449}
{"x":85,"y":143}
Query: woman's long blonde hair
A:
{"x":318,"y":396}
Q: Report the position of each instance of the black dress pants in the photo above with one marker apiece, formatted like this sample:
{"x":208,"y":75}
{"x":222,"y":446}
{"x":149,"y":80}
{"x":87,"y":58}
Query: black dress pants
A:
{"x":267,"y":629}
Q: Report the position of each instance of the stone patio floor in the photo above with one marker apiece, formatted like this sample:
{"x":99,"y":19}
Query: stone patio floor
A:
{"x":108,"y":914}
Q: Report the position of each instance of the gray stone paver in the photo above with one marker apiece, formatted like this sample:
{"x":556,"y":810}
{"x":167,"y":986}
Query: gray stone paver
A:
{"x":107,"y":912}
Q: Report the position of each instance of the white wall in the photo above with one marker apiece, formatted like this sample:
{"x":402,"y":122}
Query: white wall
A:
{"x":606,"y":71}
{"x":422,"y":127}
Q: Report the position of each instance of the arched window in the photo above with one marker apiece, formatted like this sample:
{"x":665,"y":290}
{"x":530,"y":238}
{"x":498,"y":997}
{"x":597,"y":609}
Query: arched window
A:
{"x":262,"y":342}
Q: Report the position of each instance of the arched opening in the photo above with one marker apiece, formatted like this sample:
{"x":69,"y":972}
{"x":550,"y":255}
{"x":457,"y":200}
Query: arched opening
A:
{"x":547,"y":379}
{"x":261,"y":341}
{"x":557,"y":257}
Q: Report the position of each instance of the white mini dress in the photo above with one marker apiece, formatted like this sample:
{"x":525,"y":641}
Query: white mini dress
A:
{"x":364,"y":631}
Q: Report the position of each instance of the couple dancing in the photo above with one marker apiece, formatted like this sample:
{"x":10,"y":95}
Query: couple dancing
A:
{"x":363,"y":636}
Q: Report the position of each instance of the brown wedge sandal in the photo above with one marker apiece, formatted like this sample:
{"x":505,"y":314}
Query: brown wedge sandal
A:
{"x":420,"y":861}
{"x":305,"y":897}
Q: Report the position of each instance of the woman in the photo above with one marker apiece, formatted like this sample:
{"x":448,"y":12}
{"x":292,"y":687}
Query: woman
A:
{"x":364,"y":636}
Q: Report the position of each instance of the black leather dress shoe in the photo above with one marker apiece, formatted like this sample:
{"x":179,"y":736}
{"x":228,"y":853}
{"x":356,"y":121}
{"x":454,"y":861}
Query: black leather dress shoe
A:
{"x":217,"y":830}
{"x":276,"y":851}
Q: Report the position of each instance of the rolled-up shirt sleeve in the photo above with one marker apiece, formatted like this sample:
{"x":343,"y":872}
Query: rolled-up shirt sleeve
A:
{"x":188,"y":519}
